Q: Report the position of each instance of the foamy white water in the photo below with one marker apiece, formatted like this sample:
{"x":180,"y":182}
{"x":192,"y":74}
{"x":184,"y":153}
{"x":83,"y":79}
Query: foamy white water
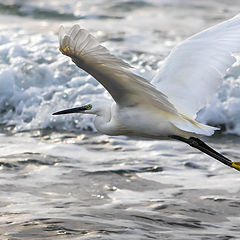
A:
{"x":36,"y":80}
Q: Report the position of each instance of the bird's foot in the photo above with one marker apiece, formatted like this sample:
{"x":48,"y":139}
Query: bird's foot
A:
{"x":236,"y":165}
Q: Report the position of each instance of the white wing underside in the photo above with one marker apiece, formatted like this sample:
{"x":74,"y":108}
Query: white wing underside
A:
{"x":195,"y":68}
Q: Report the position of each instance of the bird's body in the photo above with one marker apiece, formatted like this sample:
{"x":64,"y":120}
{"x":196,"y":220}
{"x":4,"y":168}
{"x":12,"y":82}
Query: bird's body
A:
{"x":139,"y":121}
{"x":134,"y":121}
{"x":189,"y":76}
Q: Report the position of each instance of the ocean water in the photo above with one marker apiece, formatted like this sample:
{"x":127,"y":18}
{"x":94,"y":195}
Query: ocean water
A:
{"x":59,"y":178}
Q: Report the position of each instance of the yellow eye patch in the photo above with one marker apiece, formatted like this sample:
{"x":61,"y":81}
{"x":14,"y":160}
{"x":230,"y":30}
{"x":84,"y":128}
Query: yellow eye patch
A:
{"x":89,"y":107}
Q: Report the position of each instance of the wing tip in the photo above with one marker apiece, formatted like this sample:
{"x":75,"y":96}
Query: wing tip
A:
{"x":73,"y":40}
{"x":78,"y":42}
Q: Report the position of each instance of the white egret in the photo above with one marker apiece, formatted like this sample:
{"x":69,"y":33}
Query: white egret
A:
{"x":189,"y":76}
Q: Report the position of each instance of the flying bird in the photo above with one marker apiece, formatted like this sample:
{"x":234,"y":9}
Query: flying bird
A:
{"x":167,"y":106}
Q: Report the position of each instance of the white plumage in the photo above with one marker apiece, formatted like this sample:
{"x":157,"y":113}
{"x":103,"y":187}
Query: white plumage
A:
{"x":188,"y":78}
{"x":195,"y":68}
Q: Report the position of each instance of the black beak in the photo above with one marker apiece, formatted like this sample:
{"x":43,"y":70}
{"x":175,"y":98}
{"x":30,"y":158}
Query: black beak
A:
{"x":73,"y":110}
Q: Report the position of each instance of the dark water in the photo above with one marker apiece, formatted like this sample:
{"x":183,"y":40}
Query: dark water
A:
{"x":68,"y":186}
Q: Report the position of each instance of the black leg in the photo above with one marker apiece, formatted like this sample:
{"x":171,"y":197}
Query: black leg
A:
{"x":203,"y":147}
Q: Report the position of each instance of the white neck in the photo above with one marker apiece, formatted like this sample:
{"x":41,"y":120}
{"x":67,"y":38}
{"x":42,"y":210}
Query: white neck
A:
{"x":102,"y":119}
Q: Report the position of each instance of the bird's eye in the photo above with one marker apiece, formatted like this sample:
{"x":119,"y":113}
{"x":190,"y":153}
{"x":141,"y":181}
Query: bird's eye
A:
{"x":89,"y":107}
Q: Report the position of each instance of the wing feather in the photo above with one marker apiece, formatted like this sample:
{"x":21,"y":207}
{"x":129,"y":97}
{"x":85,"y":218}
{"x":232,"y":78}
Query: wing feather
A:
{"x":195,"y":68}
{"x":125,"y":87}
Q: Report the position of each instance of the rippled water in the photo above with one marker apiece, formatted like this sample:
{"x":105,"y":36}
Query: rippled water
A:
{"x":59,"y":179}
{"x":88,"y":186}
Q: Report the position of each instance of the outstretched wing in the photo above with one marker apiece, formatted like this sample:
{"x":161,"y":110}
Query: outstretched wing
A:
{"x":195,"y":68}
{"x":126,"y":88}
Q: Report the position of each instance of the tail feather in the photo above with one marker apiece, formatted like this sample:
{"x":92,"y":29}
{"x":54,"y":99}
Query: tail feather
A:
{"x":189,"y":125}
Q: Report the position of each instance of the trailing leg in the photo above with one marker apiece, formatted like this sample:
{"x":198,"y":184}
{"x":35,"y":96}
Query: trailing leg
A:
{"x":203,"y":147}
